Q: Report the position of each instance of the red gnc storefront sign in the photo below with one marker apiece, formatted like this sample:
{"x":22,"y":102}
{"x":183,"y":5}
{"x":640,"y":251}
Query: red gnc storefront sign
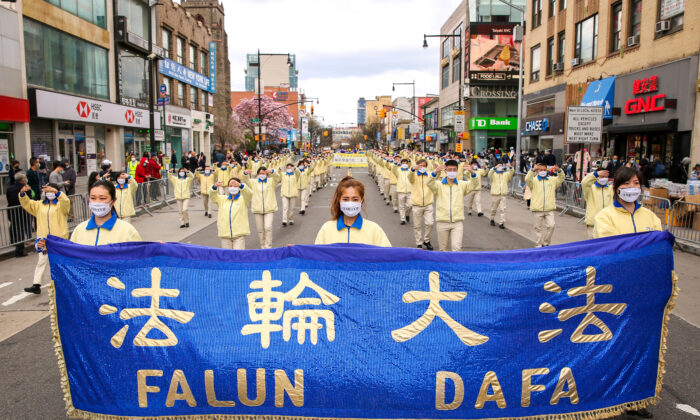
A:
{"x":651,"y":103}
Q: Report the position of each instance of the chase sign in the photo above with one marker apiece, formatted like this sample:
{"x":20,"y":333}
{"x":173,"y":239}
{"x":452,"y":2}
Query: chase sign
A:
{"x":537,"y":125}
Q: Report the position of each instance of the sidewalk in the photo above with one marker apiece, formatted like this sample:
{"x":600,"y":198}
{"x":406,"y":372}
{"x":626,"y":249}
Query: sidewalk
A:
{"x":568,"y":229}
{"x":18,"y":309}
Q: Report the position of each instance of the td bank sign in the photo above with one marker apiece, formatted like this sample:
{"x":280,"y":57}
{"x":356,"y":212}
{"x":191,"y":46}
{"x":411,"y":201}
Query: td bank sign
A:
{"x":488,"y":123}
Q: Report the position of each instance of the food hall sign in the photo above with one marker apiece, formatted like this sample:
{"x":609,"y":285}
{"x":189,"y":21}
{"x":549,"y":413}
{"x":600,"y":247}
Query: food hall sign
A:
{"x":646,"y":104}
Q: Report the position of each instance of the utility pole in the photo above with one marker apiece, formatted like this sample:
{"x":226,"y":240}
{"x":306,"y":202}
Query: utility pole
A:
{"x":259,"y":103}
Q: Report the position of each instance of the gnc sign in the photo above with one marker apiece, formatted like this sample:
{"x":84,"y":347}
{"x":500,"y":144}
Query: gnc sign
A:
{"x":652,"y":103}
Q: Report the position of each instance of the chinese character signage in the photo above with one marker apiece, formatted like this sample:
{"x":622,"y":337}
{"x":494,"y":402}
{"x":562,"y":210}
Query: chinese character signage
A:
{"x":151,"y":330}
{"x":212,"y":67}
{"x":349,"y":160}
{"x":177,"y":71}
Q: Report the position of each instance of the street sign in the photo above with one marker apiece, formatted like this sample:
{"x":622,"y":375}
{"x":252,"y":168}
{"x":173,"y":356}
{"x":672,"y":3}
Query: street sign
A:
{"x":459,"y":121}
{"x":164,"y":101}
{"x":415,"y":128}
{"x":258,"y":129}
{"x":255,"y":120}
{"x":458,"y":147}
{"x":163,"y":90}
{"x":584,"y":124}
{"x":159,"y":135}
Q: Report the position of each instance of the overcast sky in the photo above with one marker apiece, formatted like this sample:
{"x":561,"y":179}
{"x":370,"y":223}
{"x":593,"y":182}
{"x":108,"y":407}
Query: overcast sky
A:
{"x":345,"y":49}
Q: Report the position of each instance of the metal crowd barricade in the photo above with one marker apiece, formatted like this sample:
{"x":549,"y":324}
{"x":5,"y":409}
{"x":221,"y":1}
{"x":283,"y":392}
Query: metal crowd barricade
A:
{"x":517,"y":189}
{"x":570,"y":198}
{"x":661,"y":207}
{"x":684,"y":222}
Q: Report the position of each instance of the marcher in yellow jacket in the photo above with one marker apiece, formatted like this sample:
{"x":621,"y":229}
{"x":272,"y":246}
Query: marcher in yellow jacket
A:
{"x":449,"y":205}
{"x":304,"y":181}
{"x":206,"y":179}
{"x":182,"y":186}
{"x":499,"y":180}
{"x":393,"y":181}
{"x":473,"y":200}
{"x":421,"y":204}
{"x":223,"y":172}
{"x":125,"y":194}
{"x":289,"y":181}
{"x":51,"y":214}
{"x":347,"y":224}
{"x":543,"y":202}
{"x":264,"y":201}
{"x":403,"y":189}
{"x":598,"y":193}
{"x":104,"y":227}
{"x":625,"y":215}
{"x":232,"y":219}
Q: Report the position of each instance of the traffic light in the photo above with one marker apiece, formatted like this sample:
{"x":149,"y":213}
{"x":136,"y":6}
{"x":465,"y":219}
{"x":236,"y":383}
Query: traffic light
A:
{"x":365,"y":136}
{"x":312,"y":110}
{"x":382,"y":113}
{"x":257,"y":138}
{"x":422,"y":122}
{"x":325,"y":133}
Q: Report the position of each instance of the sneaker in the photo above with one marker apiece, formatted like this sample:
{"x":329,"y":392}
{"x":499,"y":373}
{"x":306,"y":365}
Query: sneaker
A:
{"x":493,"y":223}
{"x":187,"y":225}
{"x":427,"y":246}
{"x":408,"y":218}
{"x":403,"y":222}
{"x":480,"y":214}
{"x":387,"y":203}
{"x":210,"y":215}
{"x":501,"y":226}
{"x":396,"y":210}
{"x":419,"y":246}
{"x":36,"y":289}
{"x":302,"y":212}
{"x":642,"y":413}
{"x":182,"y":226}
{"x":284,"y":224}
{"x":206,"y":214}
{"x":469,"y":214}
{"x":291,"y":223}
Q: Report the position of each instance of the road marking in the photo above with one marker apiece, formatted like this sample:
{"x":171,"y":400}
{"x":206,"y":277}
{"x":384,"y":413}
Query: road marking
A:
{"x":17,"y":298}
{"x":5,"y":284}
{"x":688,"y":409}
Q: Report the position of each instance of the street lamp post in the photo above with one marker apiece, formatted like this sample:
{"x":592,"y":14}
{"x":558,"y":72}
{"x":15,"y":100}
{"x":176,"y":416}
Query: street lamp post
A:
{"x":289,"y":63}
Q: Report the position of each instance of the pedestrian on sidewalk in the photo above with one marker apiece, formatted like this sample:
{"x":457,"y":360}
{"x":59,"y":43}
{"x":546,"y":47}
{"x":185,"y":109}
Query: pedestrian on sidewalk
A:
{"x":473,"y":199}
{"x":51,"y":215}
{"x":232,"y":218}
{"x":347,"y":224}
{"x":304,"y":181}
{"x":33,"y":178}
{"x":499,"y":180}
{"x":289,"y":193}
{"x":422,"y":204}
{"x":153,"y":172}
{"x":264,"y":201}
{"x":598,"y":194}
{"x":141,"y":177}
{"x":131,"y":165}
{"x":56,"y":177}
{"x":104,"y":226}
{"x":182,"y":186}
{"x":449,"y":205}
{"x":125,"y":196}
{"x":543,"y":203}
{"x":20,"y":221}
{"x":625,"y":215}
{"x":206,"y":180}
{"x":403,"y":190}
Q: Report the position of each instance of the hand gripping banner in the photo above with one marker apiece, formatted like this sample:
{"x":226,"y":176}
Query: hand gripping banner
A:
{"x":146,"y":330}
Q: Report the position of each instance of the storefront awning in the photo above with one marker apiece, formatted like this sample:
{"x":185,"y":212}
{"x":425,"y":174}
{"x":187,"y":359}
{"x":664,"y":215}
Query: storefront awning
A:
{"x":601,"y":93}
{"x":14,"y":109}
{"x":670,"y":125}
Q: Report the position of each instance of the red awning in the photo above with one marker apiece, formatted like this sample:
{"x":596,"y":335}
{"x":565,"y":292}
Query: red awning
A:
{"x":14,"y":109}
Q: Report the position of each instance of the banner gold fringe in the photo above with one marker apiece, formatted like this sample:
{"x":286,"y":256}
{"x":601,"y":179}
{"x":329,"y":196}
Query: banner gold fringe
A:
{"x":601,"y":413}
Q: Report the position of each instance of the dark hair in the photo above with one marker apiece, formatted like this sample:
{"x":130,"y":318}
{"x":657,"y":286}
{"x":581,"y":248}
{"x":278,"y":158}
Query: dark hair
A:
{"x":54,"y":186}
{"x":57,"y":163}
{"x":623,"y":175}
{"x":451,"y":162}
{"x":32,"y":161}
{"x":260,"y":169}
{"x":110,"y":189}
{"x":92,"y":178}
{"x":405,"y":160}
{"x":233,"y":178}
{"x":345,"y":183}
{"x":474,"y":161}
{"x":421,"y":161}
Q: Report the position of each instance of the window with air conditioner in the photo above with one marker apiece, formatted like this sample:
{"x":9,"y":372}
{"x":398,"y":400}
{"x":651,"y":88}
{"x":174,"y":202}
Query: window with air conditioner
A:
{"x":635,"y":18}
{"x":670,"y":15}
{"x":550,"y":56}
{"x":561,"y":48}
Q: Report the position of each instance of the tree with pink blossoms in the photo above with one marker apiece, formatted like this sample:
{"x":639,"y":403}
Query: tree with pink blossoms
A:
{"x":276,"y":121}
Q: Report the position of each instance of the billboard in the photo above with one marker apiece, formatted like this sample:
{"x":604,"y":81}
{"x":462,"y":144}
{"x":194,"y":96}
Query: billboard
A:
{"x":491,"y":56}
{"x":422,"y":101}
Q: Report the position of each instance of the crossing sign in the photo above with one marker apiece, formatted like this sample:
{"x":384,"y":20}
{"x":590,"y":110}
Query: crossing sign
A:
{"x":163,"y":90}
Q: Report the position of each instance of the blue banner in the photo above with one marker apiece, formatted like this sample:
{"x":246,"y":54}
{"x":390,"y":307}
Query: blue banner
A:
{"x":151,"y":330}
{"x":212,"y":66}
{"x":177,"y":71}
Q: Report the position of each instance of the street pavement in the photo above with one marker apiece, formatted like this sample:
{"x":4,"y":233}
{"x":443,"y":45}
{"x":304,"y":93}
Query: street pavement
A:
{"x":30,"y":382}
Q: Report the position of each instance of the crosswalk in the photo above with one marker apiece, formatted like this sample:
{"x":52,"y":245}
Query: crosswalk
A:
{"x":16,"y":298}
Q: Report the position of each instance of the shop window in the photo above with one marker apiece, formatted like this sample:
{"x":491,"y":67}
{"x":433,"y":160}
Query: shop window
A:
{"x":92,"y":11}
{"x":635,"y":16}
{"x":670,"y":11}
{"x":193,"y":57}
{"x":615,"y":27}
{"x":180,"y":50}
{"x":446,"y":76}
{"x":62,"y":62}
{"x":561,"y":47}
{"x":586,"y":39}
{"x":193,"y":97}
{"x":165,"y":41}
{"x":180,"y":94}
{"x":552,"y":7}
{"x":203,"y":64}
{"x":550,"y":55}
{"x":536,"y":13}
{"x":535,"y":63}
{"x":136,"y":13}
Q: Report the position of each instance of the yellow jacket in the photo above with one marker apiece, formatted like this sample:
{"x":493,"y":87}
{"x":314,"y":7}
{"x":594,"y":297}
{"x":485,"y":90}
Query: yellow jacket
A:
{"x":500,"y":181}
{"x":403,"y":185}
{"x":421,"y":194}
{"x":361,"y":232}
{"x":206,"y":182}
{"x":304,"y":178}
{"x":254,"y":166}
{"x":543,"y":190}
{"x":597,"y":196}
{"x":290,"y":183}
{"x":223,"y":175}
{"x":232,"y":218}
{"x":616,"y":220}
{"x":51,"y":217}
{"x":124,"y":205}
{"x":449,"y":198}
{"x":478,"y":174}
{"x":264,"y":199}
{"x":113,"y":231}
{"x":181,"y":187}
{"x":390,"y":167}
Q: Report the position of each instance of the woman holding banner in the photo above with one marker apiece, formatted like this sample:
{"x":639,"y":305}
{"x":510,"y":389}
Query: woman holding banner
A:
{"x":104,"y":227}
{"x":347,"y":224}
{"x":625,"y":215}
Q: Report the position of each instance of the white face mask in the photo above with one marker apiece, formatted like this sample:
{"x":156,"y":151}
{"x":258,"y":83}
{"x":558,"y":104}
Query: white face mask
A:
{"x":133,"y":159}
{"x":120,"y":181}
{"x":262,"y":177}
{"x":290,"y":171}
{"x":50,"y":196}
{"x":207,"y":172}
{"x":100,"y":209}
{"x":404,"y":166}
{"x":350,"y":208}
{"x":603,"y":181}
{"x":181,"y":174}
{"x":233,"y":191}
{"x":542,"y":174}
{"x":422,"y":170}
{"x":451,"y":175}
{"x":629,"y":195}
{"x":499,"y":167}
{"x":301,"y":167}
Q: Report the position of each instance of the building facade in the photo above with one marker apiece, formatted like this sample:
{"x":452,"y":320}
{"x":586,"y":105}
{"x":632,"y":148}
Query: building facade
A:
{"x":361,"y":111}
{"x":637,"y":59}
{"x":277,"y":70}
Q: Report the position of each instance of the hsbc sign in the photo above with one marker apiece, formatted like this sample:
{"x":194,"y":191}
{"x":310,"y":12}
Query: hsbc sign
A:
{"x":60,"y":106}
